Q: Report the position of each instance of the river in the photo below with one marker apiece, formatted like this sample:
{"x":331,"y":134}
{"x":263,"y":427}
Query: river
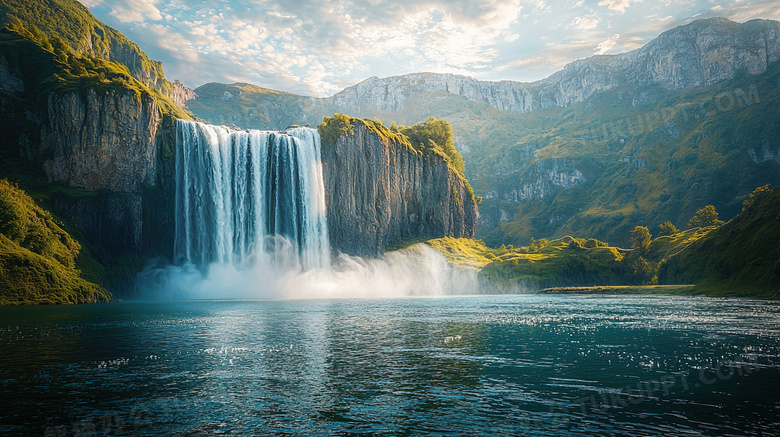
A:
{"x":472,"y":365}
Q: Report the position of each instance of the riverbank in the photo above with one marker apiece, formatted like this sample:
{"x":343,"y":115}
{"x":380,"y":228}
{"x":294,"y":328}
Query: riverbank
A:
{"x":623,"y":289}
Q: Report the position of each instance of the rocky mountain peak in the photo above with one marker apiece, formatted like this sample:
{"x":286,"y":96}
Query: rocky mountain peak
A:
{"x":702,"y":52}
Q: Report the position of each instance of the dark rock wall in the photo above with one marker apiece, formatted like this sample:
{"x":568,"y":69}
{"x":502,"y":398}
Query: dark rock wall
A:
{"x":380,"y":194}
{"x":116,"y":149}
{"x":112,"y":145}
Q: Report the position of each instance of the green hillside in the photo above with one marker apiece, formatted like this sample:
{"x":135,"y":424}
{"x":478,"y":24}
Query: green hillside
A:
{"x":38,"y":259}
{"x":564,"y":262}
{"x":741,"y":256}
{"x":640,"y":164}
{"x":738,"y":258}
{"x":85,"y":35}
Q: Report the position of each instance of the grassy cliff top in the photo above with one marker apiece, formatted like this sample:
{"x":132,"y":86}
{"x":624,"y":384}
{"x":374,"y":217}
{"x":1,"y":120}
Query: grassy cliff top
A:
{"x":334,"y":127}
{"x":47,"y":65}
{"x":742,"y":255}
{"x":424,"y":143}
{"x":85,"y":35}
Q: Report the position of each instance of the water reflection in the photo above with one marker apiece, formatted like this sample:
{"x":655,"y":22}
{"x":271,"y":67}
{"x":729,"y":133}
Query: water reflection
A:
{"x":533,"y":365}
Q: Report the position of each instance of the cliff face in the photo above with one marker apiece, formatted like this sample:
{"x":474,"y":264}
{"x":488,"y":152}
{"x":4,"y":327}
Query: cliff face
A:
{"x":700,"y":53}
{"x":107,"y":144}
{"x":380,"y":194}
{"x":181,"y":94}
{"x":100,"y":140}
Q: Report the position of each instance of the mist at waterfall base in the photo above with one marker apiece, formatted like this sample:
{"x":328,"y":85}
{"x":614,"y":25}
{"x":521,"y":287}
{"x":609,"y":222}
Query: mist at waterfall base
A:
{"x":418,"y":271}
{"x":251,"y":223}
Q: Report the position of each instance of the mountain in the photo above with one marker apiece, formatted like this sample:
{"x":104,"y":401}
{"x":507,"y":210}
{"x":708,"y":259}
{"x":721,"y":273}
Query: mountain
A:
{"x":701,"y":53}
{"x":87,"y":36}
{"x":253,"y":107}
{"x":608,"y":143}
{"x":601,"y":167}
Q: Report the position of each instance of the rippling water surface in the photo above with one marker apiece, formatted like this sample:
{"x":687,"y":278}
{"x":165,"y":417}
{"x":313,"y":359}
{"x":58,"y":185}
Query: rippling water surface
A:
{"x":518,"y":365}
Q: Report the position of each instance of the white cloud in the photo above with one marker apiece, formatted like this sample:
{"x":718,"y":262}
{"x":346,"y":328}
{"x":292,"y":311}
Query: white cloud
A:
{"x":181,"y":47}
{"x":136,"y":11}
{"x":546,"y":63}
{"x":317,"y":46}
{"x":617,"y":5}
{"x":583,"y":23}
{"x":744,"y":11}
{"x":606,"y":45}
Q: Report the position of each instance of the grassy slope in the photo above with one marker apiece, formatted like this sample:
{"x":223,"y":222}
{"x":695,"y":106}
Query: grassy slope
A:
{"x":554,"y":264}
{"x":37,"y":257}
{"x":85,"y":35}
{"x":739,"y":258}
{"x":564,"y":262}
{"x":742,"y":256}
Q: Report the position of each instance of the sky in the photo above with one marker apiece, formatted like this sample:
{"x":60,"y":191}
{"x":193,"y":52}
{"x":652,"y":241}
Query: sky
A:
{"x":318,"y":47}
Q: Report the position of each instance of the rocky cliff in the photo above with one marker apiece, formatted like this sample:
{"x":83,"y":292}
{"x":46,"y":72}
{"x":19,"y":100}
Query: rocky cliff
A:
{"x":381,"y":193}
{"x":100,"y":140}
{"x":181,"y":94}
{"x":87,"y":36}
{"x":700,"y":53}
{"x":94,"y":152}
{"x":108,"y":144}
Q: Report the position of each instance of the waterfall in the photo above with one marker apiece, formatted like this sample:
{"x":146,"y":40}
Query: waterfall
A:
{"x":249,"y":197}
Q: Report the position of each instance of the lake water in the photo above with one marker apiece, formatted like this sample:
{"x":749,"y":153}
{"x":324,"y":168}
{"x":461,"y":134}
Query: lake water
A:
{"x":495,"y":365}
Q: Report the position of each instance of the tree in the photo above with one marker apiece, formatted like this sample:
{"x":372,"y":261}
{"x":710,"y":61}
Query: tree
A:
{"x":666,"y":228}
{"x":537,"y":245}
{"x":640,"y":238}
{"x":433,"y":135}
{"x":643,"y":271}
{"x":758,"y":192}
{"x":706,"y":216}
{"x":592,"y":242}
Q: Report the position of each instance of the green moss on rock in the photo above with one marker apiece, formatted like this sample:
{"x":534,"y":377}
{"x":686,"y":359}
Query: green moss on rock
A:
{"x":38,"y":257}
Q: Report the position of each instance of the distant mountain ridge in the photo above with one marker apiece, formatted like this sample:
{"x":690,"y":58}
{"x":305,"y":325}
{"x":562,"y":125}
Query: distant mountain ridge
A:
{"x":700,"y":53}
{"x":607,"y":143}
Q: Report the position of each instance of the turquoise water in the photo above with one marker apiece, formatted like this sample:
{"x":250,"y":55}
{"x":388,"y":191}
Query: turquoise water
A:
{"x":495,"y":365}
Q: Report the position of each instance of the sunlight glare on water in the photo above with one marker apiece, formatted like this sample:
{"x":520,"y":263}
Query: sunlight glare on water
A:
{"x":481,"y":365}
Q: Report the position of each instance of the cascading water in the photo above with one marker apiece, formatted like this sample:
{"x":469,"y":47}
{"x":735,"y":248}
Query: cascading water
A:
{"x":249,"y":198}
{"x":250,"y":222}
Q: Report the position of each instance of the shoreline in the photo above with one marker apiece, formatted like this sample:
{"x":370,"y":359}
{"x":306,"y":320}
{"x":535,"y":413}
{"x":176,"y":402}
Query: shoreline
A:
{"x":621,"y":289}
